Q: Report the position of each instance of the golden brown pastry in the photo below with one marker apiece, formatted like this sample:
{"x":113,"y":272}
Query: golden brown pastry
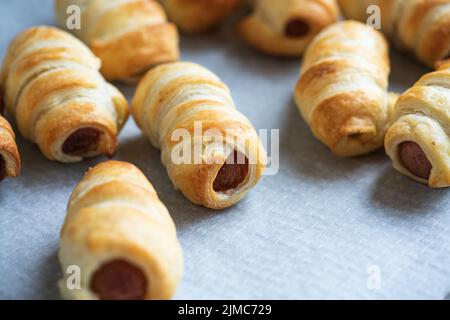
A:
{"x":120,"y":236}
{"x":198,"y":15}
{"x":285,"y":28}
{"x":342,"y":93}
{"x":418,"y":142}
{"x":9,"y":154}
{"x":59,"y":99}
{"x":418,"y":26}
{"x":129,"y":36}
{"x":174,"y":104}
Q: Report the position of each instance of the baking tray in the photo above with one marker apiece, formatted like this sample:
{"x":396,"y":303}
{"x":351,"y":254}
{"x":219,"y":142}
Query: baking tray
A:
{"x":323,"y":227}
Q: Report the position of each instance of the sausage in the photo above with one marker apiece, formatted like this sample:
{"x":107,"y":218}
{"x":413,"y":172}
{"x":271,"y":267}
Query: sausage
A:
{"x":414,"y":159}
{"x":297,"y":28}
{"x":119,"y":280}
{"x":232,"y":173}
{"x":2,"y":168}
{"x":81,"y":142}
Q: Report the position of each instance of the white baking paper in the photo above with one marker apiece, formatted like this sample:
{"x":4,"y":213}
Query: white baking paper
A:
{"x":322,"y":227}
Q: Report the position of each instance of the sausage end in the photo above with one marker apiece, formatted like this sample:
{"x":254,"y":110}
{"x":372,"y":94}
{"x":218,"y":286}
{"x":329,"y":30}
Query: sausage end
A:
{"x":81,"y":142}
{"x":119,"y":280}
{"x":232,"y":173}
{"x":414,"y":159}
{"x":297,"y":28}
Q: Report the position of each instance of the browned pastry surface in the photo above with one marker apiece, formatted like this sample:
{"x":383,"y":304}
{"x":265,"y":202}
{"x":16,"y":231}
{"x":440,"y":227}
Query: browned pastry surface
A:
{"x":285,"y":28}
{"x":421,"y":27}
{"x":173,"y":98}
{"x":129,"y":36}
{"x":60,"y":101}
{"x":418,"y":139}
{"x":194,"y":16}
{"x":121,"y":236}
{"x":342,"y":90}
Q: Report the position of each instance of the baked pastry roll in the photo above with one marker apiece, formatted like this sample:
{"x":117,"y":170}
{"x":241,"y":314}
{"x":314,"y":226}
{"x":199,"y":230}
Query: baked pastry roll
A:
{"x":341,"y":92}
{"x":186,"y":111}
{"x":418,"y":141}
{"x":285,"y":28}
{"x":198,"y":15}
{"x":129,"y":36}
{"x":9,"y":154}
{"x":418,"y":26}
{"x":60,"y":101}
{"x":120,"y":236}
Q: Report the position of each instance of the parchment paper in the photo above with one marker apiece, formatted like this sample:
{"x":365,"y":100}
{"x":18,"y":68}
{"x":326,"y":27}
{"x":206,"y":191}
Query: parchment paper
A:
{"x":322,"y":227}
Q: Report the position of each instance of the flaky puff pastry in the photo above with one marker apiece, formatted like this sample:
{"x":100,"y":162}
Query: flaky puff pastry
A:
{"x":342,"y":93}
{"x":182,"y":106}
{"x":9,"y":154}
{"x":120,"y":236}
{"x":198,"y":15}
{"x":129,"y":36}
{"x":418,"y":26}
{"x":59,"y":99}
{"x":418,"y":142}
{"x":285,"y":28}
